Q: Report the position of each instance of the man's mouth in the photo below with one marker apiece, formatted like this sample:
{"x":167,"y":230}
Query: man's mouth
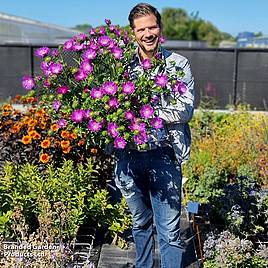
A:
{"x":149,"y":42}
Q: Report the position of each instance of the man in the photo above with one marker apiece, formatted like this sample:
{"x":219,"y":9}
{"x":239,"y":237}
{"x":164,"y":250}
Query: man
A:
{"x":150,"y":179}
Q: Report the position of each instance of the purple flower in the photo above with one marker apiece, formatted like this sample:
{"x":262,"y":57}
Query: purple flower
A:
{"x":154,"y":99}
{"x":55,"y":52}
{"x":62,"y":90}
{"x":126,"y":40}
{"x":86,"y":67}
{"x":89,"y":54}
{"x":117,"y":52}
{"x":129,"y":115}
{"x":86,"y":114}
{"x":112,"y":129}
{"x":78,"y":47}
{"x":62,"y":123}
{"x":42,"y":52}
{"x":112,"y":28}
{"x":146,"y":64}
{"x":142,"y":138}
{"x":161,"y":80}
{"x":93,"y":45}
{"x":104,"y":40}
{"x":102,"y":30}
{"x":156,"y":122}
{"x":96,"y":93}
{"x":137,"y":126}
{"x":47,"y":83}
{"x":128,"y":87}
{"x":81,"y":37}
{"x":110,"y":88}
{"x":68,"y":45}
{"x":80,"y":75}
{"x":146,"y":111}
{"x":179,"y":87}
{"x":55,"y":68}
{"x":28,"y":82}
{"x":117,"y":32}
{"x":162,"y":39}
{"x":113,"y":103}
{"x":108,"y":21}
{"x":112,"y":44}
{"x":94,"y":126}
{"x":92,"y":31}
{"x":77,"y":116}
{"x":44,"y":65}
{"x":56,"y":105}
{"x":120,"y":143}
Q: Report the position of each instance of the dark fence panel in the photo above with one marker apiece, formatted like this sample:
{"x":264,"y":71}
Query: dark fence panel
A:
{"x":229,"y":76}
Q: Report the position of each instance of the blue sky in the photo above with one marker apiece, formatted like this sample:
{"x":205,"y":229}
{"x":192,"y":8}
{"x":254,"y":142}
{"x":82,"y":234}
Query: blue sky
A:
{"x":231,"y":16}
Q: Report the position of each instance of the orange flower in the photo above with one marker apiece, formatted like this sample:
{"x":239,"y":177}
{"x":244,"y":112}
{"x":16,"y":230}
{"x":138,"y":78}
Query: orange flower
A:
{"x":7,"y":107}
{"x":54,"y":127}
{"x":15,"y":129}
{"x":45,"y":143}
{"x":40,"y":113}
{"x":66,"y":150}
{"x":81,"y":142}
{"x":73,"y":136}
{"x":37,"y":136}
{"x":94,"y":150}
{"x":65,"y":134}
{"x":64,"y":144}
{"x":43,"y":125}
{"x":26,"y":139}
{"x":32,"y":122}
{"x":32,"y":133}
{"x":44,"y":158}
{"x":32,"y":110}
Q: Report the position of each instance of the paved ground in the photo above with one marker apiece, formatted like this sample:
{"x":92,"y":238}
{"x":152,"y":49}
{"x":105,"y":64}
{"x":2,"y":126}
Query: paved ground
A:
{"x":113,"y":257}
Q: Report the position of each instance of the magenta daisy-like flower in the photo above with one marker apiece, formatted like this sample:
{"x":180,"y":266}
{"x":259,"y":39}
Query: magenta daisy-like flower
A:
{"x":110,"y":88}
{"x":93,"y":45}
{"x":28,"y":82}
{"x":120,"y":143}
{"x":113,"y":103}
{"x":89,"y":54}
{"x":137,"y":126}
{"x":92,"y":31}
{"x":162,"y":39}
{"x":112,"y":129}
{"x":62,"y":123}
{"x":77,"y":116}
{"x":55,"y":68}
{"x":161,"y":80}
{"x":56,"y":105}
{"x":86,"y":114}
{"x":128,"y":87}
{"x":42,"y":52}
{"x":107,"y":21}
{"x":86,"y":67}
{"x":146,"y":111}
{"x":68,"y":45}
{"x":55,"y":52}
{"x":44,"y":65}
{"x":62,"y":90}
{"x":47,"y":83}
{"x":94,"y":126}
{"x":117,"y":52}
{"x":179,"y":87}
{"x":142,"y":138}
{"x":156,"y":122}
{"x":80,"y":75}
{"x":102,"y":30}
{"x":104,"y":40}
{"x":146,"y":64}
{"x":96,"y":93}
{"x":129,"y":115}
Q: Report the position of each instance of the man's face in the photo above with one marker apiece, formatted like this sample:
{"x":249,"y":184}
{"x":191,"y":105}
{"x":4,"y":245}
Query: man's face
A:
{"x":147,"y":33}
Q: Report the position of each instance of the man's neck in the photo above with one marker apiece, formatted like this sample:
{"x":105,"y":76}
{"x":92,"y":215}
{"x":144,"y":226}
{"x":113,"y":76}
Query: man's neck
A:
{"x":147,"y":55}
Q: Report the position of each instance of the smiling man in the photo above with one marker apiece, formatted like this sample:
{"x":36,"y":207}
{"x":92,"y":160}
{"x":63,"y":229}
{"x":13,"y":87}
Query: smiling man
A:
{"x":151,"y":179}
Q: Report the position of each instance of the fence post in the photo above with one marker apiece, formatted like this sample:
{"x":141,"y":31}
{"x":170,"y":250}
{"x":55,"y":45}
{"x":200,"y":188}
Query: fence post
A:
{"x":236,"y":53}
{"x":32,"y":60}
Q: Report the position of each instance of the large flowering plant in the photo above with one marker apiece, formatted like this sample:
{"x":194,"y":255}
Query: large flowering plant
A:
{"x":95,"y":95}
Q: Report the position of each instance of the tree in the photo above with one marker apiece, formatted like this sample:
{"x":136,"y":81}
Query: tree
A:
{"x":82,"y":27}
{"x":179,"y":25}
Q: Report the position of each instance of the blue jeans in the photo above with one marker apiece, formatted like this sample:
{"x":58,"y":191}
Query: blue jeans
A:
{"x":151,"y":183}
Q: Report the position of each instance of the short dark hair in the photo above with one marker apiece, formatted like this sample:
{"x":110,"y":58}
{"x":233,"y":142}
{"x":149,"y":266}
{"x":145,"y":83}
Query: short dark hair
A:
{"x":143,"y":9}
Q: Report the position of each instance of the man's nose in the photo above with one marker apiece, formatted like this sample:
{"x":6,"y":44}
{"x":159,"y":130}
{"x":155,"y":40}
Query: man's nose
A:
{"x":148,"y":32}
